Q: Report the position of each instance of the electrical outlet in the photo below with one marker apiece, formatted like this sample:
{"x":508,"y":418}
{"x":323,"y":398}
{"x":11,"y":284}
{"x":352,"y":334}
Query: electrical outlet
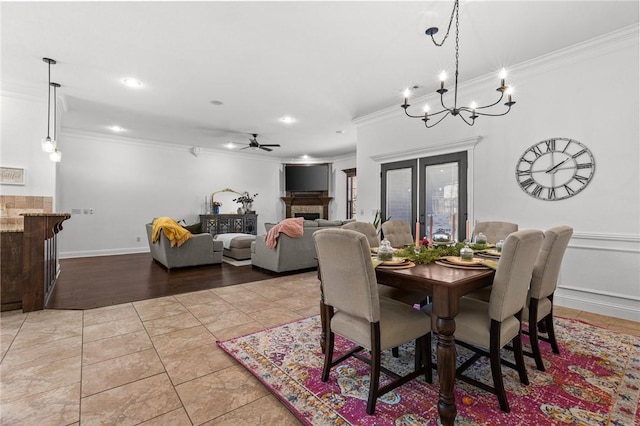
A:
{"x":90,"y":211}
{"x":76,"y":211}
{"x":138,"y":239}
{"x":85,"y":211}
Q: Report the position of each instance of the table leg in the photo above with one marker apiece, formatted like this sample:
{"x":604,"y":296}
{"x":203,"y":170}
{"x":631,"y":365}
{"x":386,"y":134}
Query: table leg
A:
{"x":446,"y":353}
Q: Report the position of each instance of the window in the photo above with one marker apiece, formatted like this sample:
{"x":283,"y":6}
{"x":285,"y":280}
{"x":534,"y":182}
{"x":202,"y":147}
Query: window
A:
{"x":352,"y":193}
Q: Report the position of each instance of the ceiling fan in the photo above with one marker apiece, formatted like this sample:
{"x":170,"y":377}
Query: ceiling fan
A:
{"x":253,"y":143}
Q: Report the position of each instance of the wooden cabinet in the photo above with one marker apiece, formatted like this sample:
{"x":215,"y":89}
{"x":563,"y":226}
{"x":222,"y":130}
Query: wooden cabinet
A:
{"x":229,"y":223}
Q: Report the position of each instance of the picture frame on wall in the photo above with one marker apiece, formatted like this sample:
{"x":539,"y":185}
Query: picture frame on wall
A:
{"x":11,"y":176}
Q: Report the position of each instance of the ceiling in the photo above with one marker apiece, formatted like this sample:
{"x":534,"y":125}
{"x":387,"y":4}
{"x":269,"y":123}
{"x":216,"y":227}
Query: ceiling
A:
{"x":324,"y":63}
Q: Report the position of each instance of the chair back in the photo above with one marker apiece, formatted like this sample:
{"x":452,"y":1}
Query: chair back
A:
{"x":547,"y":268}
{"x":511,"y":282}
{"x":495,"y":231}
{"x":347,"y":274}
{"x":367,"y":229}
{"x":398,"y":232}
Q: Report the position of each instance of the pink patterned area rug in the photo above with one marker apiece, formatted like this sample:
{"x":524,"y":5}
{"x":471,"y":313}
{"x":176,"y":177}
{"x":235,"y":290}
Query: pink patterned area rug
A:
{"x":595,"y":380}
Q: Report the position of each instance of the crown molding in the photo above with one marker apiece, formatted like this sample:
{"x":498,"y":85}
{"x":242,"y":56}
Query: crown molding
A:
{"x":466,"y":144}
{"x":613,"y":41}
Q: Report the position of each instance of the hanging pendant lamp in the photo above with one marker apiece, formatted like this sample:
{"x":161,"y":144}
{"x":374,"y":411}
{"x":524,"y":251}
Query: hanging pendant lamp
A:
{"x":55,"y":155}
{"x":48,"y":144}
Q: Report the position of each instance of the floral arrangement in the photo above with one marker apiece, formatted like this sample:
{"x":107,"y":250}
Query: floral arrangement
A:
{"x":428,"y":255}
{"x":217,"y":203}
{"x":245,"y":198}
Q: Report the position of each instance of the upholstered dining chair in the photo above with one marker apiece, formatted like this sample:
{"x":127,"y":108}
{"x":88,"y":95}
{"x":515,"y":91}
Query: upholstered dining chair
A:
{"x":495,"y":231}
{"x":404,"y":296}
{"x":539,"y":311}
{"x":486,"y":327}
{"x":354,"y":310}
{"x":367,"y":229}
{"x":398,"y":232}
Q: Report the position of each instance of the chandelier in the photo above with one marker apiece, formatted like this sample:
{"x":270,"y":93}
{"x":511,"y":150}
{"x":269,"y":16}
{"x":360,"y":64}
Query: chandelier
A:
{"x":473,"y":109}
{"x":48,"y":145}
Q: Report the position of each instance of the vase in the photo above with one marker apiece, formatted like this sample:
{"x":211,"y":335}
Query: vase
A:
{"x":240,"y":210}
{"x":216,"y":209}
{"x":247,"y":207}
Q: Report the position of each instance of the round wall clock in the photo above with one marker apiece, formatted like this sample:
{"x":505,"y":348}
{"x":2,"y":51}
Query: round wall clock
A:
{"x":555,"y":169}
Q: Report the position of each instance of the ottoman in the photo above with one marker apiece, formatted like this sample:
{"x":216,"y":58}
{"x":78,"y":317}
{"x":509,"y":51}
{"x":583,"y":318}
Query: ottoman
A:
{"x":240,"y":247}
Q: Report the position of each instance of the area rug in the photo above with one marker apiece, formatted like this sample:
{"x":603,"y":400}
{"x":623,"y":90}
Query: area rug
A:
{"x":595,"y":380}
{"x":235,"y":262}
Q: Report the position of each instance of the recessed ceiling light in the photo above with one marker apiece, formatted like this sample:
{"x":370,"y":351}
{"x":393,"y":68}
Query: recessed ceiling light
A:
{"x":305,"y":157}
{"x":287,"y":119}
{"x":216,"y":102}
{"x":230,"y":145}
{"x":131,"y":82}
{"x":116,"y":129}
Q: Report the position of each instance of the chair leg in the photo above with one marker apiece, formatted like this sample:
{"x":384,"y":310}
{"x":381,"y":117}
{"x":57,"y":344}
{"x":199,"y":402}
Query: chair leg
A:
{"x":519,"y":357}
{"x":533,"y":333}
{"x":395,"y":353}
{"x":426,"y":358}
{"x":328,"y":356}
{"x":548,"y":320}
{"x":496,"y":366}
{"x":374,"y":377}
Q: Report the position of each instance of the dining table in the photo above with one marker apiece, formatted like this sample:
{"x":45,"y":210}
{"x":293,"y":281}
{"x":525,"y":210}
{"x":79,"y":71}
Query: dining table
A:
{"x":446,"y":285}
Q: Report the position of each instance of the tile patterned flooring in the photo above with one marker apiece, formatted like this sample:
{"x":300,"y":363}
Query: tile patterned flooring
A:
{"x":156,"y":362}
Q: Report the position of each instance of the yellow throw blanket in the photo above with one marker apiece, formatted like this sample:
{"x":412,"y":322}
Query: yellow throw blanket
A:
{"x":175,"y":233}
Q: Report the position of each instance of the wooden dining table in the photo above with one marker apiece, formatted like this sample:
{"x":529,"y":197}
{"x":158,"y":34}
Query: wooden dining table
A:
{"x":446,"y":286}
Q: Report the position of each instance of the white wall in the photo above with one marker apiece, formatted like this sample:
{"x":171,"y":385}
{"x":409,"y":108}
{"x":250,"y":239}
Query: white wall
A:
{"x":129,"y":182}
{"x":588,"y":93}
{"x":338,"y":206}
{"x":24,"y":124}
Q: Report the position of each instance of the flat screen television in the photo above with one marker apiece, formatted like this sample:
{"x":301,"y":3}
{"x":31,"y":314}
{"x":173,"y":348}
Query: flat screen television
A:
{"x":306,"y":177}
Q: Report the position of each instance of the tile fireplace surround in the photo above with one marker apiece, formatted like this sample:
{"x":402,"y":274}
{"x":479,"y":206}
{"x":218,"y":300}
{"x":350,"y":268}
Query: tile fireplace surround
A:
{"x":307,"y":202}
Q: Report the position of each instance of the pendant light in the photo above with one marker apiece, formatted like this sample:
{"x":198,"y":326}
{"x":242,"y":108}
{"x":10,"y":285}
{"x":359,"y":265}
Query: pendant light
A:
{"x":48,"y":144}
{"x":55,"y":155}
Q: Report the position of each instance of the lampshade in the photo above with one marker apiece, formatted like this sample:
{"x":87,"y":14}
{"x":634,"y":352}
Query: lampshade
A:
{"x":55,"y":156}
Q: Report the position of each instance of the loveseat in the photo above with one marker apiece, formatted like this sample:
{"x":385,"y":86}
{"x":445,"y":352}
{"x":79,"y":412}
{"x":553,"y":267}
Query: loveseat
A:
{"x":291,"y":254}
{"x":200,"y":249}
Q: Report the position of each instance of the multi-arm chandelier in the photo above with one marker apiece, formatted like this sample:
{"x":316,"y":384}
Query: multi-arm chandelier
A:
{"x":473,"y":109}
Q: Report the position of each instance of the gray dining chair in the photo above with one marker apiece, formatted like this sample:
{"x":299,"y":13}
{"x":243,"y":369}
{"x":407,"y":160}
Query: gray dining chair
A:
{"x":486,"y":327}
{"x":353,"y":310}
{"x":367,"y":229}
{"x":495,"y":230}
{"x":398,"y":232}
{"x":539,"y":312}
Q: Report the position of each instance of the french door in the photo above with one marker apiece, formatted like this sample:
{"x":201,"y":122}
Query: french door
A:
{"x":432,"y":190}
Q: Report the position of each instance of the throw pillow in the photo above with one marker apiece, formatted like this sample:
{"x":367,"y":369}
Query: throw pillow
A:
{"x":196,"y":228}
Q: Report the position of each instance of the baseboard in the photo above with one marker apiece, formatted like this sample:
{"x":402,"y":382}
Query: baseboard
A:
{"x":605,"y":305}
{"x":95,"y":253}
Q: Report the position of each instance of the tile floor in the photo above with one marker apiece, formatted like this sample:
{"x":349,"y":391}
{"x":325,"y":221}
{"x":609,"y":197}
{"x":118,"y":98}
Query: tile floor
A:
{"x":156,"y":362}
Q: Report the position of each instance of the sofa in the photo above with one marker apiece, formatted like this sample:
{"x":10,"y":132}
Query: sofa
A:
{"x":200,"y":249}
{"x":291,"y":254}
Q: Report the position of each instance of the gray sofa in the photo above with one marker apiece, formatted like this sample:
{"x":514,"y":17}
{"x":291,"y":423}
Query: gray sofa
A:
{"x":291,"y":254}
{"x":200,"y":249}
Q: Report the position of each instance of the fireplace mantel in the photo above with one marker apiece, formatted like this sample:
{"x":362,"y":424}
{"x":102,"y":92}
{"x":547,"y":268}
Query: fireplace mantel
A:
{"x":307,"y":198}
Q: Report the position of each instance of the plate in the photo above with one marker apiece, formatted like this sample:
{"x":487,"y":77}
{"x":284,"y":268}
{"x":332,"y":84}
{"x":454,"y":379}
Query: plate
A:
{"x":457,"y":261}
{"x":405,"y":265}
{"x":445,"y":262}
{"x":395,"y":261}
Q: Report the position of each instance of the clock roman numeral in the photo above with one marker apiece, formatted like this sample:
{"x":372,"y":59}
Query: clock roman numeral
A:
{"x":536,"y":191}
{"x":551,"y":145}
{"x":585,"y":166}
{"x":524,"y":172}
{"x":527,"y":183}
{"x":579,"y":153}
{"x":525,"y":160}
{"x":569,"y":190}
{"x":581,"y":179}
{"x":551,"y":194}
{"x":536,"y":151}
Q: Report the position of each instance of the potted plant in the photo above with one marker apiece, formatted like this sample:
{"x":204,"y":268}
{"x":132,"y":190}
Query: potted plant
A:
{"x":216,"y":206}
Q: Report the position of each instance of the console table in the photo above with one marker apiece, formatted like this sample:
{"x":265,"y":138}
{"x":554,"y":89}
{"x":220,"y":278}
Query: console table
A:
{"x":227,"y":223}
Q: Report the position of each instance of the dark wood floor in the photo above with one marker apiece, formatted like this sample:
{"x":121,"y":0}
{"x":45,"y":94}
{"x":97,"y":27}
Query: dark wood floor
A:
{"x":93,"y":282}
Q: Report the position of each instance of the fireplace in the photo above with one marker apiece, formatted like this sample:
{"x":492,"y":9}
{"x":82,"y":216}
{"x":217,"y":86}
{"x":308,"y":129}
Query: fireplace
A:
{"x":308,"y":216}
{"x":302,"y":203}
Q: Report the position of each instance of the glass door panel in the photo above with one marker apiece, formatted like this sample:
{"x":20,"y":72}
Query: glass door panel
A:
{"x":443,"y":189}
{"x":399,"y":191}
